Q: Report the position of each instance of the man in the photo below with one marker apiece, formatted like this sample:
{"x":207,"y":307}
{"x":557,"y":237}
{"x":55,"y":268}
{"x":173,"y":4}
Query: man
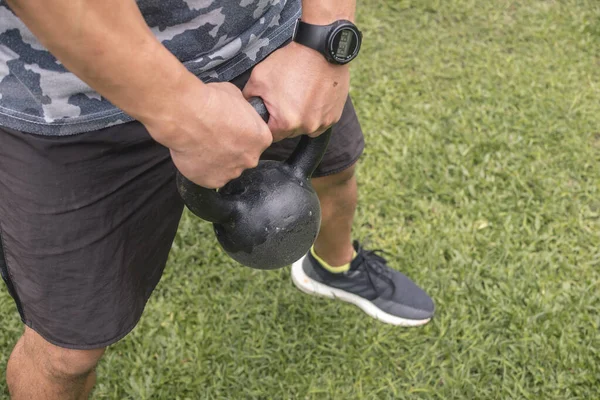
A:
{"x":101,"y":101}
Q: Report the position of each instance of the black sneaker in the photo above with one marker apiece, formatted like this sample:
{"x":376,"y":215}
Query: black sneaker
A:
{"x":380,"y":291}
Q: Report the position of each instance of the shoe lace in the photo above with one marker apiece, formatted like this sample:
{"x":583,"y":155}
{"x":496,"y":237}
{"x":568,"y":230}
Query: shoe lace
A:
{"x":375,"y":263}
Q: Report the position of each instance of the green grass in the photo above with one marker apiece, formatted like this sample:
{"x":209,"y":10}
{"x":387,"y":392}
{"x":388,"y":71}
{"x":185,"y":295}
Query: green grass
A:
{"x":481,"y":177}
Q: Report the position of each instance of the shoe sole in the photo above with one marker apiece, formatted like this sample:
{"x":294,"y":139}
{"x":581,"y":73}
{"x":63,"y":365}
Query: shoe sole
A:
{"x":309,"y":286}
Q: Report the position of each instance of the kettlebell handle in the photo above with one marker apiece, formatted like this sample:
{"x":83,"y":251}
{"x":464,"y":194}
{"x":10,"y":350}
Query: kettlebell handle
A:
{"x":308,"y":153}
{"x":205,"y":203}
{"x":211,"y":206}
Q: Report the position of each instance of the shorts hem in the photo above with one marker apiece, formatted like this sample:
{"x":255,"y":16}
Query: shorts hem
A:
{"x":350,"y":163}
{"x":100,"y":345}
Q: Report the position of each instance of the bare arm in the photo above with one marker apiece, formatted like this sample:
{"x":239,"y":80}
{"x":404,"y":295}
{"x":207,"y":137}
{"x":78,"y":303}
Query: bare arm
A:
{"x":324,"y":12}
{"x":108,"y":45}
{"x":320,"y":89}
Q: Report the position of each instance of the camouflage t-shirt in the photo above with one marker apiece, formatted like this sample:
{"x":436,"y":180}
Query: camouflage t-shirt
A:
{"x":215,"y":39}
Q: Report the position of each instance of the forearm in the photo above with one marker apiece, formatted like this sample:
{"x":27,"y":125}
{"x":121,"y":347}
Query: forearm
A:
{"x":108,"y":45}
{"x":323,"y":12}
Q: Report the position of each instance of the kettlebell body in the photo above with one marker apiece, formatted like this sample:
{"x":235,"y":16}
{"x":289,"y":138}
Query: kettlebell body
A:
{"x":270,"y":215}
{"x":278,"y":217}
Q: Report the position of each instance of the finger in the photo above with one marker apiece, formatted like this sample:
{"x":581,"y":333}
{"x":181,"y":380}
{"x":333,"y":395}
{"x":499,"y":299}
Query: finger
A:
{"x":252,"y":88}
{"x":230,"y":88}
{"x":267,"y":139}
{"x":279,"y":137}
{"x":280,"y":132}
{"x":318,"y":132}
{"x":274,"y":126}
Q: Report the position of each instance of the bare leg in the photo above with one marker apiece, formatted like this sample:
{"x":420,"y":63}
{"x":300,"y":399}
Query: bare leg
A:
{"x":404,"y":303}
{"x":338,"y":194}
{"x":40,"y":370}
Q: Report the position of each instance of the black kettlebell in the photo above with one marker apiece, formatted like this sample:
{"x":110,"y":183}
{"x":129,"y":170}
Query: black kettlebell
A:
{"x":268,"y":217}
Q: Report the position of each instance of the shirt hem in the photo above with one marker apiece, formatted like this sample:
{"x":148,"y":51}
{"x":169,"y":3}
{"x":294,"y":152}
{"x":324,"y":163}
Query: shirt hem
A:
{"x":13,"y":119}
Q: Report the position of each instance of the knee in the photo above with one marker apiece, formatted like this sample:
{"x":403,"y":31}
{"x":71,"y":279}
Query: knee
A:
{"x":342,"y":178}
{"x":60,"y":363}
{"x":71,"y":364}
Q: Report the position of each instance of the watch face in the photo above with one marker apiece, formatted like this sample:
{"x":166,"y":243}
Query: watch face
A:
{"x":344,"y":45}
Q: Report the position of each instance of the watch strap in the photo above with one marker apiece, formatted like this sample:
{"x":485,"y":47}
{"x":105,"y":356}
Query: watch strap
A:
{"x":313,"y":36}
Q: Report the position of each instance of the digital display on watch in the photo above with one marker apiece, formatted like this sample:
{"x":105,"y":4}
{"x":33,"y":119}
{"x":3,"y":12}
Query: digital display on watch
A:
{"x":344,"y":43}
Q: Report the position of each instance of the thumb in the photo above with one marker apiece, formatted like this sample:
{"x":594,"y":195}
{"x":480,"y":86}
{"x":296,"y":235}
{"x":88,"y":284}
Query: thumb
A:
{"x":252,"y":88}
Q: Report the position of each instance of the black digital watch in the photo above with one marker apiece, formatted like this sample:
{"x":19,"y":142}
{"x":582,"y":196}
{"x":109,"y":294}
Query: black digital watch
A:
{"x":339,"y":42}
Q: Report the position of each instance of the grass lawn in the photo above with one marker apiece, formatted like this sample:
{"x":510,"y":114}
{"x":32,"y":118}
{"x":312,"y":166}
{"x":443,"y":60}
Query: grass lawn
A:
{"x":481,"y":177}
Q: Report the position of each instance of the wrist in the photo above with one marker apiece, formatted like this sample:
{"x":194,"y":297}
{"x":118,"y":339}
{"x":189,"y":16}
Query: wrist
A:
{"x":338,"y":42}
{"x":316,"y":59}
{"x":171,"y":106}
{"x":325,"y":12}
{"x":145,"y":90}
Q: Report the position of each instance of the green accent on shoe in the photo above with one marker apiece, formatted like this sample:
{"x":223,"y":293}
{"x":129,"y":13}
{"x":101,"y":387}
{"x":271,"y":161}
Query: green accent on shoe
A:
{"x":330,"y":268}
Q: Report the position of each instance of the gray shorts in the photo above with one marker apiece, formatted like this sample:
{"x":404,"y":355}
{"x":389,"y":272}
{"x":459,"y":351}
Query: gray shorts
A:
{"x":87,"y":222}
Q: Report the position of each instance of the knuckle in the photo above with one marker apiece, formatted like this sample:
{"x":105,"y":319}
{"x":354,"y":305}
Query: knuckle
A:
{"x":215,"y":183}
{"x":236,"y":173}
{"x":267,"y":139}
{"x":285,"y":125}
{"x":291,"y":123}
{"x":249,"y":161}
{"x":222,"y":178}
{"x":225,"y":180}
{"x":258,"y":73}
{"x":312,"y":127}
{"x":335,"y":119}
{"x":254,"y":162}
{"x":229,"y":86}
{"x":212,"y":184}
